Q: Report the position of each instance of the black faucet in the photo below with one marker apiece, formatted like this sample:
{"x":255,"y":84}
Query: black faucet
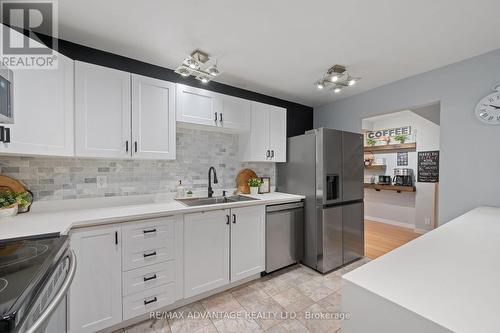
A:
{"x":210,"y":191}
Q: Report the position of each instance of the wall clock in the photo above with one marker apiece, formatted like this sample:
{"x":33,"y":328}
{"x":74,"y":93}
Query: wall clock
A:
{"x":488,"y":108}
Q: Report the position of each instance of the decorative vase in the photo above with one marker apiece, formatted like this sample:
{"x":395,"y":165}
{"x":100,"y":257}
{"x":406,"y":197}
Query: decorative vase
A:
{"x":254,"y":190}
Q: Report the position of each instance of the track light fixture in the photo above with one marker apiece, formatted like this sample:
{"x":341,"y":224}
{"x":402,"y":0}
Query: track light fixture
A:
{"x":336,"y":79}
{"x":193,"y":65}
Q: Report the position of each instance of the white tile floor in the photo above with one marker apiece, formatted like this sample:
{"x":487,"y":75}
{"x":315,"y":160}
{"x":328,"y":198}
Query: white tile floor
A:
{"x":296,"y":299}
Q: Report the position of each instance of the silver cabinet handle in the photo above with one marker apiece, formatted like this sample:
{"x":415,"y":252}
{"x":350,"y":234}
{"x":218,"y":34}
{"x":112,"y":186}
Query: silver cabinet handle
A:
{"x":220,"y":117}
{"x":146,"y":231}
{"x":126,"y":146}
{"x":215,"y":117}
{"x":272,"y":153}
{"x":234,"y":218}
{"x":268,"y":153}
{"x":58,"y":297}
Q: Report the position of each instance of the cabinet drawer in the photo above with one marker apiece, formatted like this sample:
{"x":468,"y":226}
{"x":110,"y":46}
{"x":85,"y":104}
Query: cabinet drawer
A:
{"x":144,"y":234}
{"x":147,"y":255}
{"x":148,"y":300}
{"x":141,"y":279}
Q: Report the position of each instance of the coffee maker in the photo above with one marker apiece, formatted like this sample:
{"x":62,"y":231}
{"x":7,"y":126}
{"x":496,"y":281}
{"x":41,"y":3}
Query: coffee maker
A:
{"x":403,"y":177}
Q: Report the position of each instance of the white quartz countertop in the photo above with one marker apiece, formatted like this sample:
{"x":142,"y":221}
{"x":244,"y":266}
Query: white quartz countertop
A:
{"x":450,"y":276}
{"x":60,"y":221}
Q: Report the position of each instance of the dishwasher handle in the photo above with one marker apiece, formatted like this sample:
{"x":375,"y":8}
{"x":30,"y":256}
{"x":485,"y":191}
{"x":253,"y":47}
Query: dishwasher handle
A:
{"x":287,"y":206}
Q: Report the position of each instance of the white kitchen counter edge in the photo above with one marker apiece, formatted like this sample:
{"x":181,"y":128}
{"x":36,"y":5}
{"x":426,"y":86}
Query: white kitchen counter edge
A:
{"x":61,"y":222}
{"x":439,"y":256}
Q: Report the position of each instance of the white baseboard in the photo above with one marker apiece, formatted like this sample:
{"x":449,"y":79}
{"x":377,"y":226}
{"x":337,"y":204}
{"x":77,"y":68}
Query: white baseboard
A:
{"x":387,"y":221}
{"x":396,"y":223}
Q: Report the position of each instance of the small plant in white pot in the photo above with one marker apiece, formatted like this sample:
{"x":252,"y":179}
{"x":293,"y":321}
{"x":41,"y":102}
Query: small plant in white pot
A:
{"x":254,"y":184}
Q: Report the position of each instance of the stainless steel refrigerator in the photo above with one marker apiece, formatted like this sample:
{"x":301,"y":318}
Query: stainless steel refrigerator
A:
{"x":326,"y":166}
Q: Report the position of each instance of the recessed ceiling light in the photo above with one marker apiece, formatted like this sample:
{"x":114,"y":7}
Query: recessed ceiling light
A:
{"x":204,"y":80}
{"x":352,"y":82}
{"x":334,"y":78}
{"x":336,"y":90}
{"x":320,"y":85}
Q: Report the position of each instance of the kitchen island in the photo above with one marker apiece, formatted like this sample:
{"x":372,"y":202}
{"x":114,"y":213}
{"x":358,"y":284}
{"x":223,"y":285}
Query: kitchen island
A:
{"x":444,"y":281}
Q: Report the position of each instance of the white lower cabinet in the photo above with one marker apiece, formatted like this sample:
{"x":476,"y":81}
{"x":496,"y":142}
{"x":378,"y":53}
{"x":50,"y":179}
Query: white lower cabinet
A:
{"x":130,"y":269}
{"x":222,"y":247}
{"x":247,"y":242}
{"x":148,"y":300}
{"x":206,"y":251}
{"x":124,"y":271}
{"x":95,"y":294}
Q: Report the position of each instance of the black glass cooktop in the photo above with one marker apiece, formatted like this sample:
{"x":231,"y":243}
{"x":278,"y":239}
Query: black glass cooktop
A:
{"x":24,"y":265}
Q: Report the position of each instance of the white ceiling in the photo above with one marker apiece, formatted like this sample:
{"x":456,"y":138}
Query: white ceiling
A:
{"x":281,"y":47}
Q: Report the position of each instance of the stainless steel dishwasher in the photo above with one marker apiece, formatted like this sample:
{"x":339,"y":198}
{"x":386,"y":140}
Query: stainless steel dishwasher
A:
{"x":284,"y":235}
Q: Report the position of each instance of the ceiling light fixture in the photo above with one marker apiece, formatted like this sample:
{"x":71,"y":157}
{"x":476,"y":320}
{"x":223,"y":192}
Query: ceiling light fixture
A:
{"x":337,"y":78}
{"x":193,"y":64}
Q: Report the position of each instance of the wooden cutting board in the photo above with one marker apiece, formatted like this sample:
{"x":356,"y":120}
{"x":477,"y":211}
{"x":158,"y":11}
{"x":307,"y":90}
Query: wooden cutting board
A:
{"x":242,"y":180}
{"x":7,"y":183}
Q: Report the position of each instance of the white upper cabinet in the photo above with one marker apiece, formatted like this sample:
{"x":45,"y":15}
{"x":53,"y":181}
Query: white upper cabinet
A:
{"x":235,"y":114}
{"x":198,"y":106}
{"x":119,"y":115}
{"x":102,"y":105}
{"x":43,"y":109}
{"x":153,"y":118}
{"x":277,"y":133}
{"x":247,"y":241}
{"x":266,"y":141}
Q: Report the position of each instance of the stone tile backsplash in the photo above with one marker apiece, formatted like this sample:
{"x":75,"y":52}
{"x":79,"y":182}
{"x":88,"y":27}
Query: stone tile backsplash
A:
{"x":55,"y":178}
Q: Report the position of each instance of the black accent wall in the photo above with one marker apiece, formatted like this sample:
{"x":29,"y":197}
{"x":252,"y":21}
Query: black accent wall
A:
{"x":299,"y":117}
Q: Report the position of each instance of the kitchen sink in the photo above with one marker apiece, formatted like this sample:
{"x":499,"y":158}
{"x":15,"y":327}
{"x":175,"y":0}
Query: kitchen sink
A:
{"x":214,"y":200}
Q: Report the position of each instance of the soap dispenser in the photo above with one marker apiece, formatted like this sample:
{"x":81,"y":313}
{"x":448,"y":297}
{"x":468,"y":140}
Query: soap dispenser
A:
{"x":180,"y":190}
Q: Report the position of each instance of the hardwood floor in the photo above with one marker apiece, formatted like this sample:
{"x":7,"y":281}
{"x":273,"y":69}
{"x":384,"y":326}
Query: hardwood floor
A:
{"x":381,"y":238}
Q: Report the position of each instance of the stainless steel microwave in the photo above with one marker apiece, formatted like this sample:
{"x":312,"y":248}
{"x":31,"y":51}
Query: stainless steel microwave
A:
{"x":6,"y":95}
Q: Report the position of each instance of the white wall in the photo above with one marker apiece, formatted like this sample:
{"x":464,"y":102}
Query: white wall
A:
{"x":468,"y":148}
{"x":407,"y":209}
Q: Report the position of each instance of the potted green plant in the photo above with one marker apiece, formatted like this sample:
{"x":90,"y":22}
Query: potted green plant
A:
{"x":254,"y":184}
{"x":11,"y":203}
{"x":371,"y":142}
{"x":401,"y":138}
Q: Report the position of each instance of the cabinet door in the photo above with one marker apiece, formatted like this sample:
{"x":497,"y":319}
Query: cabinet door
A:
{"x":235,"y":114}
{"x":102,"y":111}
{"x":247,"y":242}
{"x":198,"y":106}
{"x":95,"y":294}
{"x":259,"y":136}
{"x":153,"y":118}
{"x":277,"y":133}
{"x":206,"y":251}
{"x":43,"y":109}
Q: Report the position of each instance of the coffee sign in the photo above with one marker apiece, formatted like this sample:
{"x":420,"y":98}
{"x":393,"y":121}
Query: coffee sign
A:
{"x":390,"y":132}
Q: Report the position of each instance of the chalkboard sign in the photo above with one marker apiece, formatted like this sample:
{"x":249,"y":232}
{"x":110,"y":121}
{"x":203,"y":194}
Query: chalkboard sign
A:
{"x":428,"y":166}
